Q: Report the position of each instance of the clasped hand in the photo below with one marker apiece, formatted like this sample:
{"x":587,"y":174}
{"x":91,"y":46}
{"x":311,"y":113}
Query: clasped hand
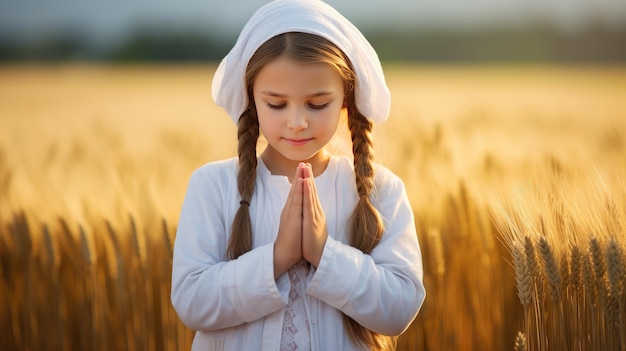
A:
{"x":302,"y":232}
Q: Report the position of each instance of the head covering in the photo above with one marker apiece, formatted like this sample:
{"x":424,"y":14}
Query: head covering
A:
{"x":372,"y":95}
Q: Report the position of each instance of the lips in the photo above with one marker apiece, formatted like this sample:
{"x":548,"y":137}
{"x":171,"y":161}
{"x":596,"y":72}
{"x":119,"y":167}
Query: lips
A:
{"x":297,"y":142}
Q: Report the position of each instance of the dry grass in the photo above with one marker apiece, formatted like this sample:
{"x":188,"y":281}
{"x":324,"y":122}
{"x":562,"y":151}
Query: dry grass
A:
{"x":516,"y":176}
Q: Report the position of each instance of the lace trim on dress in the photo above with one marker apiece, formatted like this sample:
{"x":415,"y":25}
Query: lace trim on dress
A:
{"x":296,"y":333}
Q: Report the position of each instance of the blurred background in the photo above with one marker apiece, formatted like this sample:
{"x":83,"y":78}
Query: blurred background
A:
{"x":508,"y":126}
{"x":194,"y":30}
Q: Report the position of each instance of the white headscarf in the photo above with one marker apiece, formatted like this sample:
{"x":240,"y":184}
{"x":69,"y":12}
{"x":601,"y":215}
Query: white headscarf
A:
{"x":372,"y":95}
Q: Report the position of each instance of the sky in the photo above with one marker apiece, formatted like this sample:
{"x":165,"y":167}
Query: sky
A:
{"x":113,"y":18}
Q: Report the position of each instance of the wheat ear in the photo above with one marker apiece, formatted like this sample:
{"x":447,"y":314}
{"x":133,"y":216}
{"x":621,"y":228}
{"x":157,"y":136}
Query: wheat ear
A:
{"x":615,"y":269}
{"x":523,"y":277}
{"x":616,"y":274}
{"x":576,"y":268}
{"x":520,"y":342}
{"x":551,"y":269}
{"x":589,"y":282}
{"x":534,"y":267}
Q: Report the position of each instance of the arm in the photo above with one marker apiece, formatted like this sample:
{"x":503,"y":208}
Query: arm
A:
{"x":382,"y":291}
{"x":208,"y":292}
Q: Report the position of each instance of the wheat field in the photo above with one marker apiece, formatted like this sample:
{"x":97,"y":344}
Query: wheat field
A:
{"x":516,"y":175}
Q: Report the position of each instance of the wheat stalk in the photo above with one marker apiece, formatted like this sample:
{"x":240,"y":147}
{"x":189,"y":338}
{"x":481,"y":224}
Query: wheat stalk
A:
{"x":437,"y":258}
{"x":589,"y":280}
{"x":554,"y":283}
{"x":616,"y":273}
{"x":166,"y":238}
{"x":565,"y":271}
{"x":87,"y":247}
{"x":520,"y":342}
{"x":599,"y":265}
{"x":616,"y":270}
{"x":523,"y":278}
{"x":551,"y":269}
{"x":534,"y":267}
{"x":579,"y":331}
{"x":576,"y":268}
{"x":535,"y":270}
{"x":138,"y":244}
{"x":604,"y":298}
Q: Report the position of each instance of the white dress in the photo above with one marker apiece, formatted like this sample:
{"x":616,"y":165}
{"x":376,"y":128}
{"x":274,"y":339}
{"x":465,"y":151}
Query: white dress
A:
{"x":239,"y":305}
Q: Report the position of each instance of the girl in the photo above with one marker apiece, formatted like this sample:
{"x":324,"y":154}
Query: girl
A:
{"x":297,"y":249}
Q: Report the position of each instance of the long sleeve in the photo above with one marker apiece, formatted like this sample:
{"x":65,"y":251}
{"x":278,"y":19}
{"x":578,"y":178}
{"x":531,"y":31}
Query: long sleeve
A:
{"x":209,"y":292}
{"x":238,"y":304}
{"x":383,"y":290}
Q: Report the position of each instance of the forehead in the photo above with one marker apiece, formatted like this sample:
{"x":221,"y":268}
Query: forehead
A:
{"x":287,"y":76}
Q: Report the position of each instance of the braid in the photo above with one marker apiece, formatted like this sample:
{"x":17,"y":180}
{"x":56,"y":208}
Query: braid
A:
{"x":366,"y":225}
{"x":248,"y":133}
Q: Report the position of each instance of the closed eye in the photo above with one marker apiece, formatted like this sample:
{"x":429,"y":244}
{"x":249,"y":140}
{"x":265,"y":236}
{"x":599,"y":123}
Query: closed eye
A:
{"x":318,"y":107}
{"x":276,"y":107}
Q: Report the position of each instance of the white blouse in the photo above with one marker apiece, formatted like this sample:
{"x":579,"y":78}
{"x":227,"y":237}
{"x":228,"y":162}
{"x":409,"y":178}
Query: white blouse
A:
{"x":238,"y":305}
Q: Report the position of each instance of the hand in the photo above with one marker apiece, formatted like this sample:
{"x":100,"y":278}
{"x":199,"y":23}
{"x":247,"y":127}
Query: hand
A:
{"x":288,"y":244}
{"x":314,"y":231}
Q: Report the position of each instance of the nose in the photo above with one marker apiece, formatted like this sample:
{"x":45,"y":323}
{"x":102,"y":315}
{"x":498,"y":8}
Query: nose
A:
{"x":297,"y":120}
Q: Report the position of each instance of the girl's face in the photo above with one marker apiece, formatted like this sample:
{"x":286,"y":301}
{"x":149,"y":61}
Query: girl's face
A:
{"x":299,"y":107}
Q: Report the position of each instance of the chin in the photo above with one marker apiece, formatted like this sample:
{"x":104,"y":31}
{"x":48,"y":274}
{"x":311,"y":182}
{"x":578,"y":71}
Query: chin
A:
{"x":299,"y":157}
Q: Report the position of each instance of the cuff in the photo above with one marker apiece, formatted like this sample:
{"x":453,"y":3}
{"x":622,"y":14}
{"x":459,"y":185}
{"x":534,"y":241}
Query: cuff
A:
{"x":252,"y":286}
{"x":337,"y":274}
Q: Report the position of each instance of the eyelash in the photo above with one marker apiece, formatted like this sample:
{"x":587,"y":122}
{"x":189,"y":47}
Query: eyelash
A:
{"x":311,"y":106}
{"x":276,"y":107}
{"x":318,"y":107}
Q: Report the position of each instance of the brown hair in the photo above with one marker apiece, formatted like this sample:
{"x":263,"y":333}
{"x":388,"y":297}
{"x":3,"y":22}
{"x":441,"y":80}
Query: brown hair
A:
{"x":366,"y":226}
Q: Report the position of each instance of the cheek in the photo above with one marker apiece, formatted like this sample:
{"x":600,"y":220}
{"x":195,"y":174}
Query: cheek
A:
{"x":330,"y":120}
{"x":267,"y":121}
{"x":336,"y":114}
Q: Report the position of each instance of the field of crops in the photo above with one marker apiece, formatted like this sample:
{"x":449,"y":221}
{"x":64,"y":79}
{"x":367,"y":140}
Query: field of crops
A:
{"x":516,"y":174}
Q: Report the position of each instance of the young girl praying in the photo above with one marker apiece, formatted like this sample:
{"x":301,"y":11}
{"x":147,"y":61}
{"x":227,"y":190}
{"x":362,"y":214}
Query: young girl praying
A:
{"x":291,"y":247}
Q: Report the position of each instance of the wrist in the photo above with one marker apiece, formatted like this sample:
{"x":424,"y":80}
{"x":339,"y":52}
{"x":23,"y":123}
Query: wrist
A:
{"x":282,"y":261}
{"x":315,"y":256}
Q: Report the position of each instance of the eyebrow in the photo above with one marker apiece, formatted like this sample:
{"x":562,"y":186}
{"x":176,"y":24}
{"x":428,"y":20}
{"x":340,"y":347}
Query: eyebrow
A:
{"x":273,"y":94}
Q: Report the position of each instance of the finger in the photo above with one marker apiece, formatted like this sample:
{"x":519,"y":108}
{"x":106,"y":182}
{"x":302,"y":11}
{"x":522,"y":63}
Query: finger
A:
{"x":305,"y":191}
{"x":308,"y":204}
{"x":314,"y":226}
{"x":294,"y":186}
{"x":298,"y":196}
{"x":298,"y":175}
{"x":299,"y":172}
{"x":307,"y":170}
{"x":307,"y":213}
{"x":313,"y":187}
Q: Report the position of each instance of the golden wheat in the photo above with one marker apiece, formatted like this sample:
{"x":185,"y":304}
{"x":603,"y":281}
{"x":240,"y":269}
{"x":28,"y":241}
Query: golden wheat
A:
{"x":584,"y":310}
{"x":522,"y":275}
{"x":492,"y":157}
{"x":520,"y":342}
